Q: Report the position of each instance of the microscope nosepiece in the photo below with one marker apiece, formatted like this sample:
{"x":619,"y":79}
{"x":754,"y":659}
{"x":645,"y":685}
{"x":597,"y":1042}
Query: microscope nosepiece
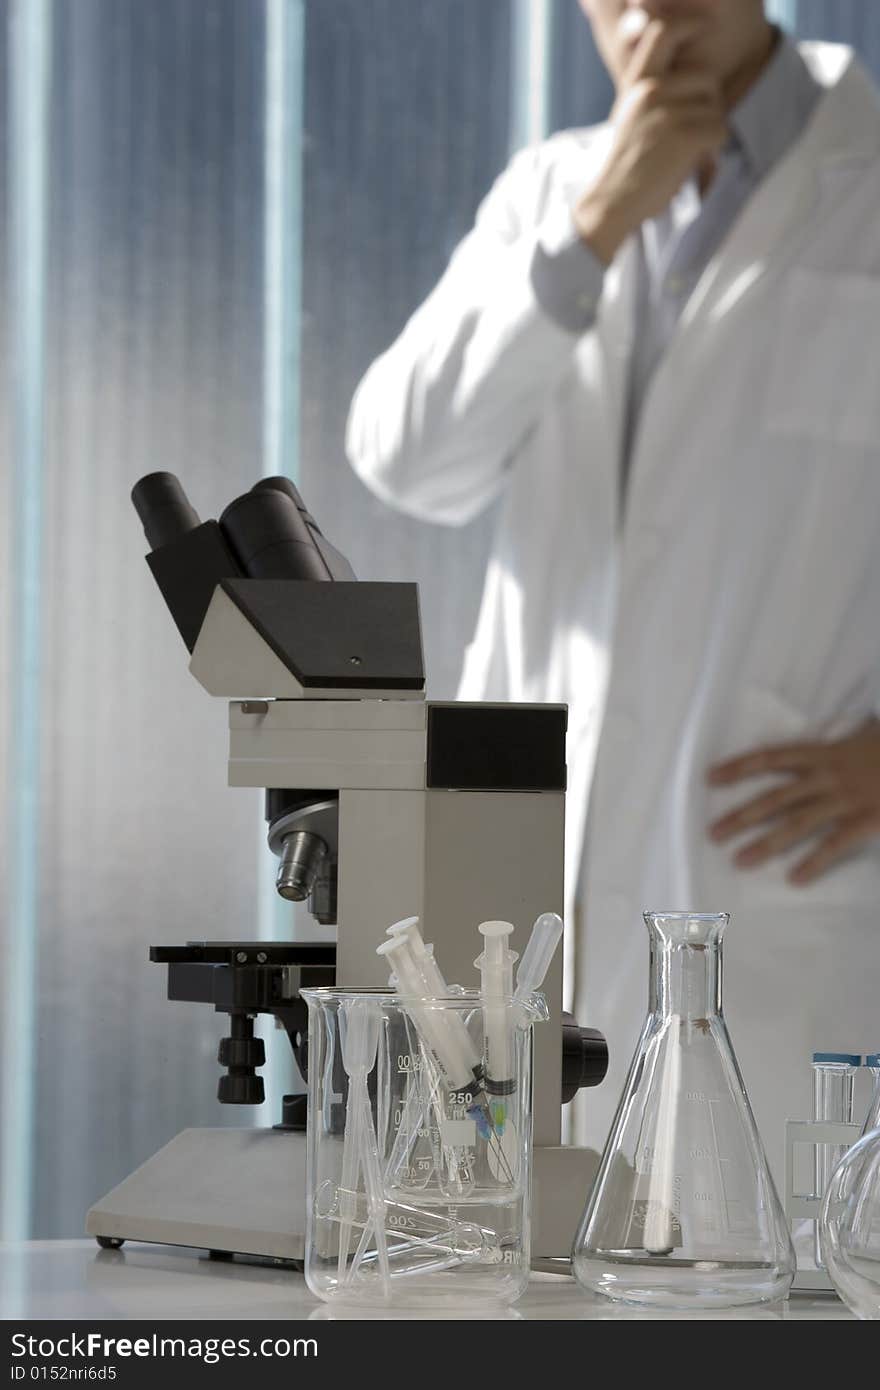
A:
{"x":302,"y":854}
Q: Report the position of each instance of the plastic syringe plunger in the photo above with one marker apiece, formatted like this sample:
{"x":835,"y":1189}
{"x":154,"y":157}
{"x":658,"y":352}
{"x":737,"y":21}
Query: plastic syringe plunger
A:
{"x":435,"y":980}
{"x":496,"y":961}
{"x":408,"y":927}
{"x":495,"y":965}
{"x":399,"y":957}
{"x":400,"y":928}
{"x":443,"y":1030}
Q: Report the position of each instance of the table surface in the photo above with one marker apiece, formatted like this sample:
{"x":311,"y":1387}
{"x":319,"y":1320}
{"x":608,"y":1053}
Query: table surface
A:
{"x":73,"y":1279}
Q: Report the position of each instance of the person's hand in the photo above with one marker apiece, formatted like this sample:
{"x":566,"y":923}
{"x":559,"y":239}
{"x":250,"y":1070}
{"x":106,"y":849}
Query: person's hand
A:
{"x":831,"y":795}
{"x":669,"y":122}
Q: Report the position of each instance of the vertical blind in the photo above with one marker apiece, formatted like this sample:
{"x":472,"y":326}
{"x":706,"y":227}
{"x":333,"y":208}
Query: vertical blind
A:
{"x":215,"y":214}
{"x":121,"y":830}
{"x":407,"y":109}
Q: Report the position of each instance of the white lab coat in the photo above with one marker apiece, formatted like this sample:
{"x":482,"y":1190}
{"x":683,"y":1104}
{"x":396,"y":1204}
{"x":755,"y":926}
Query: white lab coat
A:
{"x":736,"y":602}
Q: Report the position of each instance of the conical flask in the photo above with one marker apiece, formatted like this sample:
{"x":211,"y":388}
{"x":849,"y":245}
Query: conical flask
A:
{"x":683,"y":1211}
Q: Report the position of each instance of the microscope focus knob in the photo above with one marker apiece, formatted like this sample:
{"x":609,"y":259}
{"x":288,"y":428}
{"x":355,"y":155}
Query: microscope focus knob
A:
{"x":584,"y":1057}
{"x":241,"y":1052}
{"x":240,"y":1089}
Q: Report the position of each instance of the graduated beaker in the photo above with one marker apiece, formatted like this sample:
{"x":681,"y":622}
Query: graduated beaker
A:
{"x":418,"y":1183}
{"x":683,"y":1210}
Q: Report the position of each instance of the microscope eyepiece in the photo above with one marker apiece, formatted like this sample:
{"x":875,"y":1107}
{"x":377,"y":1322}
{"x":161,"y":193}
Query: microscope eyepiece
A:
{"x":279,"y":483}
{"x":337,"y":565}
{"x":270,"y":538}
{"x":164,"y":509}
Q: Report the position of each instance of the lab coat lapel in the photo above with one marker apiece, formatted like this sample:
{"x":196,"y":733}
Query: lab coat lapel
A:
{"x":615,"y":329}
{"x":777,"y":218}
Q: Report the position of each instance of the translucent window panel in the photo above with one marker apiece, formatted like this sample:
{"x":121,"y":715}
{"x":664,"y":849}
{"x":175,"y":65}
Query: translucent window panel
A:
{"x":7,"y":532}
{"x":406,"y":125}
{"x":154,"y":361}
{"x":580,"y":88}
{"x":6,"y":494}
{"x":27,"y":59}
{"x":855,"y":22}
{"x":155,"y":330}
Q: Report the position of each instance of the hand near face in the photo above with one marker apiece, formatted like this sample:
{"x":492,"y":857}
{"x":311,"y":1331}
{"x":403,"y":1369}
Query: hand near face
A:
{"x":829,"y":797}
{"x":668,"y":122}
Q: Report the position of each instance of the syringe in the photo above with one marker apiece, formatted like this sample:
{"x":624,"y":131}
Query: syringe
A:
{"x":445,"y":1033}
{"x":495,"y":964}
{"x":496,"y":973}
{"x":419,"y":976}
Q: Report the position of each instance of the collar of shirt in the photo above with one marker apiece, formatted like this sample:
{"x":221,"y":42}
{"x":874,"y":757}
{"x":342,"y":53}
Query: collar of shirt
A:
{"x":775,"y":109}
{"x":768,"y":120}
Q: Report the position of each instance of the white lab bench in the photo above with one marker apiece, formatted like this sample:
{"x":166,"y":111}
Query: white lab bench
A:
{"x":73,"y":1280}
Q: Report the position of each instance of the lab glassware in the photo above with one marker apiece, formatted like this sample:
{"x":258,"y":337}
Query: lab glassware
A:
{"x":495,"y":964}
{"x":540,"y":950}
{"x":833,"y":1087}
{"x":849,"y":1227}
{"x":683,"y":1211}
{"x":359,"y":1039}
{"x":416,"y":1193}
{"x":872,"y":1119}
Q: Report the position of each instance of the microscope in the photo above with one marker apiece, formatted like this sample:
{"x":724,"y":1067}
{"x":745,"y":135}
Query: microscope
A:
{"x":380,"y":804}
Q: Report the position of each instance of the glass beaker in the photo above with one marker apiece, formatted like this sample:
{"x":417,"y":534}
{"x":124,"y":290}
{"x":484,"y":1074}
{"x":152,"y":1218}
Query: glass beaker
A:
{"x":683,"y":1211}
{"x":849,"y":1227}
{"x":434,"y":1205}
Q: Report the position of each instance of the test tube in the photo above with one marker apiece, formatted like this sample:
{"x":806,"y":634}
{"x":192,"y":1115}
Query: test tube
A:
{"x":833,"y":1083}
{"x":872,"y":1119}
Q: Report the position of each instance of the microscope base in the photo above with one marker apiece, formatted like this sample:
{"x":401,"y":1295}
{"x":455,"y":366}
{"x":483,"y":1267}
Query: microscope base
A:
{"x":236,"y":1190}
{"x":242,"y":1191}
{"x":562,"y":1176}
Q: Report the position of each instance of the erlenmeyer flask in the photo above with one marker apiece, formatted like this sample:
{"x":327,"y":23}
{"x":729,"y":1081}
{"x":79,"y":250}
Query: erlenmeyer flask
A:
{"x":683,"y":1210}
